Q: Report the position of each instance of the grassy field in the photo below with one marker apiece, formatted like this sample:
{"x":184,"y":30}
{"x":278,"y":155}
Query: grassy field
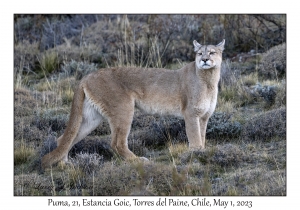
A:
{"x":246,"y":136}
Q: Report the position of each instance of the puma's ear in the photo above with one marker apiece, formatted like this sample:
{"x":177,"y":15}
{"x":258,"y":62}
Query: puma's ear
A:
{"x":221,"y":45}
{"x":196,"y":46}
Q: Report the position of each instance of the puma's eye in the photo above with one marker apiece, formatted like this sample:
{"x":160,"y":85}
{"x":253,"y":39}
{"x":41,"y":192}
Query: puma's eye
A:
{"x":212,"y":53}
{"x":199,"y":53}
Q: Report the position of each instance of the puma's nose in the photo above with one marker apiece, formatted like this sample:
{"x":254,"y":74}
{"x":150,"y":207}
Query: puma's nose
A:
{"x":204,"y":59}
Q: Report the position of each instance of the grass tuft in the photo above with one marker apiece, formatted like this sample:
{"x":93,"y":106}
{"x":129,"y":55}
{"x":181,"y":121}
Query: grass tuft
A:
{"x":23,"y":153}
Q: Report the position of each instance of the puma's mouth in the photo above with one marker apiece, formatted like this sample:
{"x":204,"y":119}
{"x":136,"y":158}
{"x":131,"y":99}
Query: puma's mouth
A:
{"x":206,"y":66}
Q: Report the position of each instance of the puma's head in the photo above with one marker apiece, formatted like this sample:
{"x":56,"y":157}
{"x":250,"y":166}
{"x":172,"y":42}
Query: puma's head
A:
{"x":208,"y":56}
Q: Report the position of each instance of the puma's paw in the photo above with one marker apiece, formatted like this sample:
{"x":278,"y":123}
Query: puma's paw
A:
{"x":196,"y":148}
{"x":144,"y":159}
{"x":65,"y":159}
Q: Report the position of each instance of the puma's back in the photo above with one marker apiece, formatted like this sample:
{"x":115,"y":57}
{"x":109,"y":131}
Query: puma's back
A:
{"x":152,"y":89}
{"x":113,"y":93}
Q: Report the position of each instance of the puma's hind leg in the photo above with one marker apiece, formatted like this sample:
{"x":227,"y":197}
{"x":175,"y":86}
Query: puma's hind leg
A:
{"x":90,"y":121}
{"x":120,"y":128}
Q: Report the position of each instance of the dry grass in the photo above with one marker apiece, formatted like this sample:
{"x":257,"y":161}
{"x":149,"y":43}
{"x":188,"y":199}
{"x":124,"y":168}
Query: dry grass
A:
{"x":224,"y":168}
{"x":23,"y":153}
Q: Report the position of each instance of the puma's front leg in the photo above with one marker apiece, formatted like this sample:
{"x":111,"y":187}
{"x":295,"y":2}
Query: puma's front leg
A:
{"x":192,"y":126}
{"x":203,"y":126}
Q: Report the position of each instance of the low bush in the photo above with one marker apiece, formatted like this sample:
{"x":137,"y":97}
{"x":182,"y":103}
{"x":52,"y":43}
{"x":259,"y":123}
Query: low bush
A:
{"x":220,"y":126}
{"x":78,"y":69}
{"x":32,"y":184}
{"x":87,"y":162}
{"x":273,"y":63}
{"x":93,"y":145}
{"x":22,"y":154}
{"x":48,"y":62}
{"x":223,"y":155}
{"x":266,"y":125}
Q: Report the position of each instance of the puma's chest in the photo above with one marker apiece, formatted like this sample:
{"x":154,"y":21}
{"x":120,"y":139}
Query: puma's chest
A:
{"x":206,"y":105}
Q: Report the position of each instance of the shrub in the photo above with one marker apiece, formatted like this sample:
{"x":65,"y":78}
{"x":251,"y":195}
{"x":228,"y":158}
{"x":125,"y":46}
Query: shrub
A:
{"x":229,"y":74}
{"x":280,"y":99}
{"x":93,"y":145}
{"x":223,"y":155}
{"x":51,"y":119}
{"x":25,"y":56}
{"x":237,"y":95}
{"x":228,"y":155}
{"x":23,"y":130}
{"x":32,"y":184}
{"x":22,"y":154}
{"x":78,"y":69}
{"x":48,"y":145}
{"x":48,"y":63}
{"x":163,"y":131}
{"x":266,"y":125}
{"x":137,"y":179}
{"x":159,"y":132}
{"x":273,"y":63}
{"x":87,"y":162}
{"x":220,"y":126}
{"x":23,"y":100}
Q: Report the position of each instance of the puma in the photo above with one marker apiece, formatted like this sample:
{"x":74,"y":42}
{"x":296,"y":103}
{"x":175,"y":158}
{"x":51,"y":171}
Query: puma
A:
{"x":189,"y":92}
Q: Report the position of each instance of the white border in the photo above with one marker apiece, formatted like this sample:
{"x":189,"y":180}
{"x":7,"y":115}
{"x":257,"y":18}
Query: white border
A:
{"x":154,"y":6}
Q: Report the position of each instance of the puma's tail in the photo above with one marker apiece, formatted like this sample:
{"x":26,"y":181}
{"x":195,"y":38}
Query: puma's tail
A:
{"x":70,"y":132}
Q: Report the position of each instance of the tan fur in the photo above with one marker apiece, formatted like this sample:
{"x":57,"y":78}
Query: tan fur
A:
{"x":189,"y":92}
